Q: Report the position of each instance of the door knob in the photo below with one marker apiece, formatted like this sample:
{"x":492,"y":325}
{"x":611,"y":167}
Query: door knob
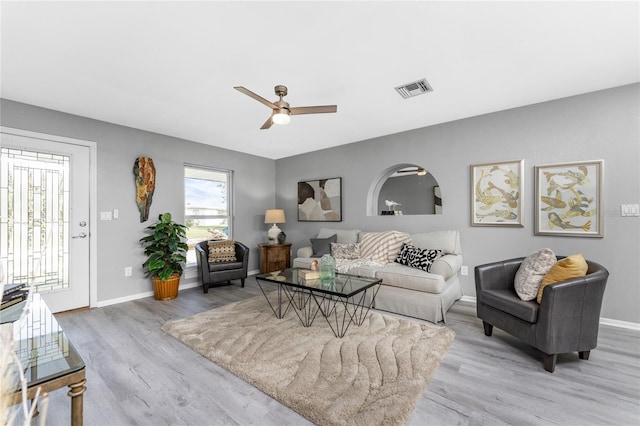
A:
{"x":80,"y":235}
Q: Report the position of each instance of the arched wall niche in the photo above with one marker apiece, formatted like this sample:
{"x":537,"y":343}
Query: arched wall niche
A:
{"x":415,"y":194}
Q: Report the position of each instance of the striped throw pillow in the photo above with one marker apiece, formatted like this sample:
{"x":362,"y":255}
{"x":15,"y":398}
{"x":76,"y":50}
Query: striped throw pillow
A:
{"x":382,"y":247}
{"x":222,"y":251}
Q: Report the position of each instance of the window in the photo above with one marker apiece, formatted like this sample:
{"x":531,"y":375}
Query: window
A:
{"x":207,"y":206}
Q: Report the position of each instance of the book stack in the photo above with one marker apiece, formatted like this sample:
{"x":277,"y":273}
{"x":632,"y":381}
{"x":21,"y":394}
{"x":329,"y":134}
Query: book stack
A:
{"x":14,"y":293}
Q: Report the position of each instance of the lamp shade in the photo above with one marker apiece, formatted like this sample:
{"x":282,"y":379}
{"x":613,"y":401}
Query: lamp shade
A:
{"x":274,"y":216}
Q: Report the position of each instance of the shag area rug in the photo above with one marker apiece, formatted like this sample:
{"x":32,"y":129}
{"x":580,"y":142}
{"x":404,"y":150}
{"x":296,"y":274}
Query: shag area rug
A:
{"x":374,"y":375}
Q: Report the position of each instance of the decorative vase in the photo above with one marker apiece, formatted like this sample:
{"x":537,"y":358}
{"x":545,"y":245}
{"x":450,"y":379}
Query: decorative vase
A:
{"x":327,"y":268}
{"x":166,"y":290}
{"x":282,"y":237}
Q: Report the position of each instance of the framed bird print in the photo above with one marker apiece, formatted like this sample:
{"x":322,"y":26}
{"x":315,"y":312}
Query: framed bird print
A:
{"x":569,"y":199}
{"x":496,"y":194}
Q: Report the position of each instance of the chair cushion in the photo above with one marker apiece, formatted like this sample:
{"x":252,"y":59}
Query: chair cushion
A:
{"x":224,"y":266}
{"x":508,"y":301}
{"x":574,"y":266}
{"x":222,"y":251}
{"x":531,"y":272}
{"x":416,"y":257}
{"x":345,"y":251}
{"x":322,"y":246}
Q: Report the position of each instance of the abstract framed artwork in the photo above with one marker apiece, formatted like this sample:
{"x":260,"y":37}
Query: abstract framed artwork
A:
{"x":569,"y":199}
{"x":497,"y":194}
{"x":320,"y":200}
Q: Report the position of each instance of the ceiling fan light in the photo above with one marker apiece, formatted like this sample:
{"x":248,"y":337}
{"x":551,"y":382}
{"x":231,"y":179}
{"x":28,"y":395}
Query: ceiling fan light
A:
{"x":281,"y":117}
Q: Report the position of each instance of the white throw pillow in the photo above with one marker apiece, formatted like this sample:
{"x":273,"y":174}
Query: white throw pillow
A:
{"x":531,"y":272}
{"x":345,"y":251}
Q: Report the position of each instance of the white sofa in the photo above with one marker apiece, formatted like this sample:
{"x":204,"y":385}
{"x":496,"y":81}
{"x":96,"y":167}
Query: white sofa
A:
{"x":406,"y":290}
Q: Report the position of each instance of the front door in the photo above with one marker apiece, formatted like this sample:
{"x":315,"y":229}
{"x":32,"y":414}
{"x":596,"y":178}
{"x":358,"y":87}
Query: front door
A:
{"x":44,"y":217}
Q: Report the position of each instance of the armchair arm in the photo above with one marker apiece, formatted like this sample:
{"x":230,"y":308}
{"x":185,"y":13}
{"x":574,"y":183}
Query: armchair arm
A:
{"x":242,"y":254}
{"x":497,"y":275}
{"x":569,"y":315}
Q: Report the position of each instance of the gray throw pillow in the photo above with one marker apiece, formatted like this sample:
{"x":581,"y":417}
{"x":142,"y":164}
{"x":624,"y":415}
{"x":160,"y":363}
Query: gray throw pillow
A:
{"x":531,"y":272}
{"x":322,"y":246}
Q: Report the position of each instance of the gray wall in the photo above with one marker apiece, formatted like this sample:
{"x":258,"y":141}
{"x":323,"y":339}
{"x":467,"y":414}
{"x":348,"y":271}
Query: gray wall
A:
{"x":118,"y":147}
{"x":600,"y":125}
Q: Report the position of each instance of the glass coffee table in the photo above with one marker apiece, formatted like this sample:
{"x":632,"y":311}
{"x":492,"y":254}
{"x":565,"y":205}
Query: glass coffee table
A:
{"x":49,"y":359}
{"x":342,"y":301}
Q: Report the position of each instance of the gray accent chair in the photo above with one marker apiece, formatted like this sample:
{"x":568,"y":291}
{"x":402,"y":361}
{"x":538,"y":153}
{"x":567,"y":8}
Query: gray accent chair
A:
{"x":565,"y":321}
{"x":220,"y":273}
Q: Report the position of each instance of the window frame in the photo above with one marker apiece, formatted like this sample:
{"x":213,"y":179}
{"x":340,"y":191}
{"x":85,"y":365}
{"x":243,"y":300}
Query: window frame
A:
{"x":230,"y":199}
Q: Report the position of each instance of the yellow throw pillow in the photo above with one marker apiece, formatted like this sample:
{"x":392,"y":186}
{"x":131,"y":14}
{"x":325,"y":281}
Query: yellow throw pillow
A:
{"x":570,"y":267}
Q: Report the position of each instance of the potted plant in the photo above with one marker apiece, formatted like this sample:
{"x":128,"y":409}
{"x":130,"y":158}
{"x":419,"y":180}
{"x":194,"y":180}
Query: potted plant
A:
{"x":165,"y":250}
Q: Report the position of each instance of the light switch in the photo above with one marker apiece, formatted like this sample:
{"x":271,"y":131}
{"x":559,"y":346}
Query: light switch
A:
{"x":630,"y":210}
{"x":105,"y":215}
{"x":115,"y":214}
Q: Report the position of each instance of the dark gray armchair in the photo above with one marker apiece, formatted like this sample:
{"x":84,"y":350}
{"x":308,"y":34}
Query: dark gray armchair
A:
{"x":565,"y":321}
{"x":220,"y":273}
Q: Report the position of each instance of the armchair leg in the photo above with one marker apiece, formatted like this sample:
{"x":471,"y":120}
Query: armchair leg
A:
{"x":241,"y":282}
{"x":549,"y":362}
{"x":488,"y":328}
{"x":584,"y":355}
{"x":205,"y":287}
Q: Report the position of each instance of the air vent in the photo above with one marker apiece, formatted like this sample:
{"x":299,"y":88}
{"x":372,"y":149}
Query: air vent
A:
{"x":414,"y":89}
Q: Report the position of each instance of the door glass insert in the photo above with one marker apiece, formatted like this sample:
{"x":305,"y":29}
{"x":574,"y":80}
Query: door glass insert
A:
{"x":34,"y":218}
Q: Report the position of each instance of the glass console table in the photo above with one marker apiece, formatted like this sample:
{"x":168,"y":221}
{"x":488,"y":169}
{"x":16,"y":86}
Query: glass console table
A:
{"x":48,"y":358}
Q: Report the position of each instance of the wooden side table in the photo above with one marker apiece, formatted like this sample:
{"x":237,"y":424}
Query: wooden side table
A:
{"x":274,"y":257}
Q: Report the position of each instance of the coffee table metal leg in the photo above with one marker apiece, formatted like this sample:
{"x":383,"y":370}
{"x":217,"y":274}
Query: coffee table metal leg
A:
{"x":277,"y":311}
{"x":302,"y":305}
{"x":76,"y":393}
{"x":355,"y":310}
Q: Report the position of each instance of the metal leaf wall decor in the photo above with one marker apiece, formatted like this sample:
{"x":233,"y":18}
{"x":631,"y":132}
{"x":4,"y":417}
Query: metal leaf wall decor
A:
{"x":145,"y":177}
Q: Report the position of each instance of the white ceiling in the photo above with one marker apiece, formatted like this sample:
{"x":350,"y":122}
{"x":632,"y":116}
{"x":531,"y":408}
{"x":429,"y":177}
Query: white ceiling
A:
{"x":170,"y":67}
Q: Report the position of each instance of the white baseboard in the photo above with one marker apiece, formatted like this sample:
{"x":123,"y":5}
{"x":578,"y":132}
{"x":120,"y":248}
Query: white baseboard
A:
{"x":183,"y":286}
{"x":139,"y":296}
{"x":603,"y":321}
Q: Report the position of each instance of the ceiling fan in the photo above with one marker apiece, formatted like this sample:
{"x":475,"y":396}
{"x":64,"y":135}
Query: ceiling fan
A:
{"x":417,"y":170}
{"x":282,"y":112}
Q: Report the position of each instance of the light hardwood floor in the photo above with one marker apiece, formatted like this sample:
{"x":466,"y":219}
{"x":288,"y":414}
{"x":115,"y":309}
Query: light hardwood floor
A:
{"x":138,"y":375}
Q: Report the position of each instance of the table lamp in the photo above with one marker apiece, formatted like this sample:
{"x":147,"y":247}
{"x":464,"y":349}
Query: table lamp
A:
{"x":274,"y":216}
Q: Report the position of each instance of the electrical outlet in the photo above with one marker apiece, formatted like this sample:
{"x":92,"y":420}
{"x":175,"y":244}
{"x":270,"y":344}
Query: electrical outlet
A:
{"x":464,"y":270}
{"x":128,"y":271}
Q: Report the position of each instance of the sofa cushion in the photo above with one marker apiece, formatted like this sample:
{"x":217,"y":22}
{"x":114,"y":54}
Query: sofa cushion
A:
{"x":447,"y":241}
{"x":222,"y":251}
{"x":531,"y":272}
{"x":396,"y":275}
{"x":508,"y":301}
{"x":382,"y":247}
{"x":345,"y":251}
{"x":322,"y":246}
{"x":574,"y":266}
{"x":415,"y":257}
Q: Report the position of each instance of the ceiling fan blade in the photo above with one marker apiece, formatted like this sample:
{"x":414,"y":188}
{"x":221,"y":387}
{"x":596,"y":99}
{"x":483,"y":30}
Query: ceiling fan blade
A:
{"x":256,"y":97}
{"x":267,"y":124}
{"x":320,"y":109}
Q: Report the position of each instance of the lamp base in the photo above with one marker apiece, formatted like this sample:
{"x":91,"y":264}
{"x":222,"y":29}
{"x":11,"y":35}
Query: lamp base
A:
{"x":272,"y":234}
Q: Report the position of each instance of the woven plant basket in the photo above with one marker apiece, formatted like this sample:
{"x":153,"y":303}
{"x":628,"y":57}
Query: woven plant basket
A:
{"x":166,"y":290}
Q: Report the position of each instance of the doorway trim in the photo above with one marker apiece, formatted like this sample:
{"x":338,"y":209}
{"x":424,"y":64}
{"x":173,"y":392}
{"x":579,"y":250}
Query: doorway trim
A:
{"x":93,"y":199}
